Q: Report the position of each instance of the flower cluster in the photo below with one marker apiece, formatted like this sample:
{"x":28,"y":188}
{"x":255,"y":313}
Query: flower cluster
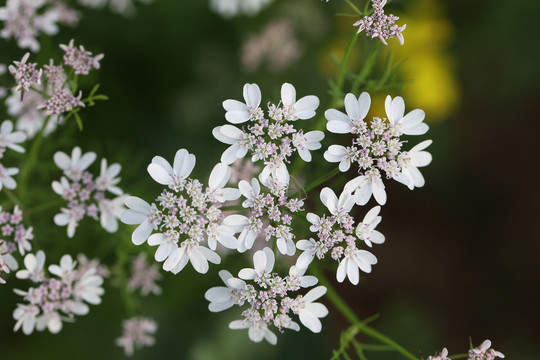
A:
{"x":14,"y":237}
{"x":335,"y":235}
{"x":25,"y":19}
{"x":80,"y":60}
{"x":9,"y":139}
{"x":56,"y":95}
{"x":376,"y":146}
{"x":483,"y":352}
{"x":270,"y":215}
{"x":144,"y":277}
{"x":268,"y":299}
{"x":85,"y":194}
{"x":137,"y":333}
{"x":271,"y":140}
{"x":379,"y":25}
{"x":55,"y":298}
{"x":187,"y":215}
{"x":232,"y":8}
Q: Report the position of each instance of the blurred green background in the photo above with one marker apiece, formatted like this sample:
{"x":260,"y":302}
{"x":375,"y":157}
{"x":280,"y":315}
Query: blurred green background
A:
{"x":461,"y":256}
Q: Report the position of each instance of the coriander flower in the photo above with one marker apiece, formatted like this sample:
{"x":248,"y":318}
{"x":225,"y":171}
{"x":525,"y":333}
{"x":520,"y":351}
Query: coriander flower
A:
{"x":25,"y":74}
{"x":410,"y":161}
{"x":270,"y":138}
{"x":376,"y":147}
{"x":6,"y":178}
{"x":268,"y":298}
{"x":353,"y":261}
{"x":34,"y":267}
{"x":75,"y":165}
{"x":174,"y":176}
{"x":442,"y":356}
{"x":136,"y":333}
{"x":483,"y":352}
{"x":10,"y":139}
{"x":140,"y":213}
{"x":366,"y":229}
{"x":410,"y":124}
{"x":310,"y":312}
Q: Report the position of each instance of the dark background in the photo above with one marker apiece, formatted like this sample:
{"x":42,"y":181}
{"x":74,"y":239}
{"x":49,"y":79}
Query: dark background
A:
{"x":461,"y":256}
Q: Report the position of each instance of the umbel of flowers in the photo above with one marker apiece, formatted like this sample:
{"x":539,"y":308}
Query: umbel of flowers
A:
{"x":55,"y":298}
{"x":186,"y":222}
{"x":268,"y":299}
{"x":14,"y":238}
{"x":85,"y":194}
{"x":186,"y":216}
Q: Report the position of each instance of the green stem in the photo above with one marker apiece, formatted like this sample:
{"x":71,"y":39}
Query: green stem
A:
{"x":343,"y":66}
{"x":12,"y":197}
{"x":32,"y":157}
{"x":347,"y":312}
{"x":319,"y":181}
{"x":354,"y":7}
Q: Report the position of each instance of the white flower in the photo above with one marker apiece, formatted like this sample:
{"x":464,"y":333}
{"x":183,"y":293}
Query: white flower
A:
{"x":310,"y":312}
{"x":66,"y":269}
{"x":338,"y":153}
{"x":88,"y":288}
{"x":34,"y":267}
{"x":75,"y":165}
{"x":366,"y":229}
{"x":297,"y":274}
{"x":220,"y":175}
{"x":111,"y":211}
{"x":26,"y":317}
{"x":357,"y":109}
{"x":366,"y":185}
{"x":337,"y":207}
{"x":308,"y":141}
{"x":263,"y":263}
{"x":221,"y":297}
{"x":235,"y":137}
{"x":484,"y":352}
{"x":257,"y":330}
{"x":410,"y":124}
{"x":108,"y":179}
{"x":301,"y":109}
{"x":410,"y":161}
{"x":250,"y":191}
{"x":275,"y":171}
{"x":198,"y":255}
{"x":10,"y":139}
{"x":222,"y":234}
{"x":174,"y":176}
{"x":167,"y":242}
{"x":6,"y":179}
{"x":310,"y":249}
{"x":140,"y":213}
{"x":240,"y":224}
{"x":51,"y":321}
{"x":69,"y":217}
{"x":353,"y":261}
{"x":238,"y":112}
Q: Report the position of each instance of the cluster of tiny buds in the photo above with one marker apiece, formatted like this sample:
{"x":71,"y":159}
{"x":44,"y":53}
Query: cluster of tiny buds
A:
{"x":80,"y":60}
{"x":14,"y":237}
{"x":379,"y":25}
{"x":86,"y":195}
{"x":137,"y":333}
{"x":59,"y":95}
{"x":482,"y":352}
{"x":54,"y":299}
{"x":144,"y":276}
